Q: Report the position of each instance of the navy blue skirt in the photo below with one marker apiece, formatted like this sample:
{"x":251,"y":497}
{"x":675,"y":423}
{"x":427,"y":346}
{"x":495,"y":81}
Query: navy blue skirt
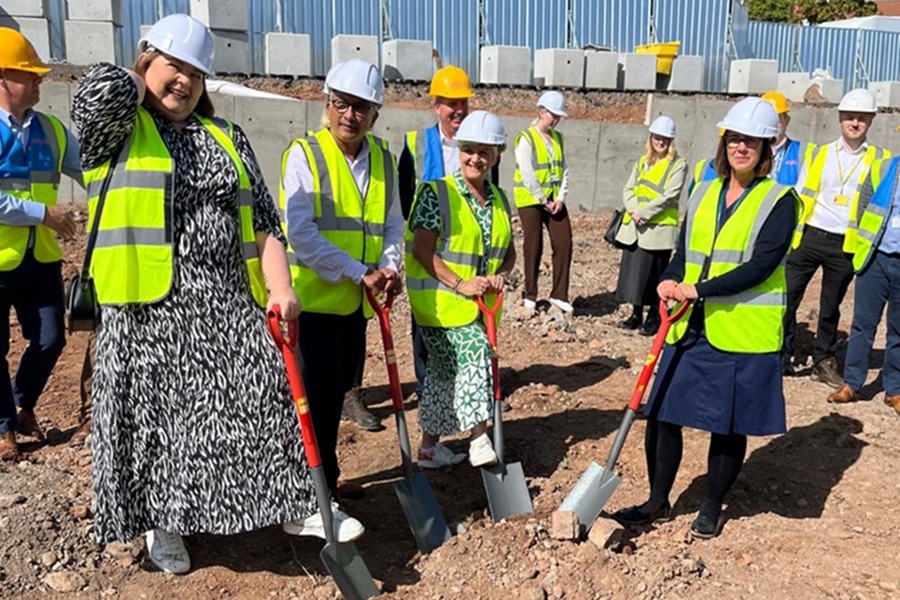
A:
{"x":722,"y":392}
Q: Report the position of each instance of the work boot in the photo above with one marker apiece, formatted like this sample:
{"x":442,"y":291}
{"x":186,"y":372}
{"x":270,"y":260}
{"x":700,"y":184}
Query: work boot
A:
{"x":635,"y":320}
{"x":893,"y":402}
{"x":787,"y":366}
{"x":642,"y":515}
{"x":28,"y":425}
{"x":826,"y":371}
{"x":9,"y":450}
{"x":842,"y":396}
{"x":651,"y":325}
{"x":354,"y":410}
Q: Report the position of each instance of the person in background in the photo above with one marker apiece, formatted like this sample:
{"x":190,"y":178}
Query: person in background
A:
{"x":650,"y":225}
{"x":788,"y":156}
{"x":540,"y":187}
{"x":35,"y":149}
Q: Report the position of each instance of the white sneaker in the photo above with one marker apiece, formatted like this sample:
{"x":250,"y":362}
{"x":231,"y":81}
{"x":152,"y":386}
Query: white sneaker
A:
{"x":167,"y":552}
{"x":346,"y":527}
{"x":438,"y":457}
{"x":481,"y":452}
{"x":529,"y":304}
{"x":562,"y":305}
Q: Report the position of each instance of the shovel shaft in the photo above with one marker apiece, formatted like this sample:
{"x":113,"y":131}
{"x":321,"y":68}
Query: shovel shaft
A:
{"x":490,"y":325}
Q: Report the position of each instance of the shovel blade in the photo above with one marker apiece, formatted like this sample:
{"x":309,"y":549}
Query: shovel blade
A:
{"x":506,"y":490}
{"x":590,"y":494}
{"x":348,"y":570}
{"x":423,"y":513}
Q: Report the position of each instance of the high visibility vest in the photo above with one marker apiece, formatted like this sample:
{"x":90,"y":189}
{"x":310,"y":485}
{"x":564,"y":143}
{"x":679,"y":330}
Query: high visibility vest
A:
{"x":547,"y":169}
{"x":344,"y":218}
{"x":31,"y":174}
{"x":704,"y":170}
{"x":133,"y":256}
{"x":810,"y":191}
{"x":873,"y":221}
{"x":427,"y":153}
{"x":461,"y":246}
{"x":651,"y":184}
{"x":749,"y":321}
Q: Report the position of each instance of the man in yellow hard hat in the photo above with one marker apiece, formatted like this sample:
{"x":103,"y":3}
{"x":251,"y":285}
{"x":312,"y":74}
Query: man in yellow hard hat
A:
{"x":788,"y":155}
{"x":35,"y":148}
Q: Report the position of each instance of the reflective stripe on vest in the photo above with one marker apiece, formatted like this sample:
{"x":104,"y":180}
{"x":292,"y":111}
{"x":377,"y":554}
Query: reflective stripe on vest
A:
{"x":343,"y":217}
{"x":35,"y":180}
{"x":874,"y":220}
{"x":461,"y":246}
{"x":547,"y":169}
{"x":652,"y":184}
{"x":749,"y":321}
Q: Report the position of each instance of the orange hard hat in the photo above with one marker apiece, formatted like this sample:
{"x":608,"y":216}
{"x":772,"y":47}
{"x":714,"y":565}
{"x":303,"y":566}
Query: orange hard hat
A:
{"x":16,"y":52}
{"x":778,"y":101}
{"x":451,"y":82}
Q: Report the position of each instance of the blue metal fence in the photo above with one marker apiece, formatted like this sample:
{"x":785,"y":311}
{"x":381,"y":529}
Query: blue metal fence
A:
{"x":613,"y":23}
{"x":774,"y":41}
{"x":527,"y":23}
{"x":702,"y":28}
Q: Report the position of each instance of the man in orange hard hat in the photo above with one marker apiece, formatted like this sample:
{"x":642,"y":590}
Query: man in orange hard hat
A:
{"x":35,"y":148}
{"x":788,"y":155}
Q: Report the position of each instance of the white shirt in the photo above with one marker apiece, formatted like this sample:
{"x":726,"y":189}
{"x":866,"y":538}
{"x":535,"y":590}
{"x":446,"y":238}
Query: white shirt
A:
{"x":832,"y":208}
{"x":327,"y":260}
{"x":449,"y":152}
{"x":526,"y":169}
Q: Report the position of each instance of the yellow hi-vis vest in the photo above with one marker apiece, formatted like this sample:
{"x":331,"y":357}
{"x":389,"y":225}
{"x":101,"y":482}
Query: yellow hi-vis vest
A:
{"x":461,"y":246}
{"x":40,"y":186}
{"x":749,"y":321}
{"x":418,"y":150}
{"x":651,"y":185}
{"x":874,"y":219}
{"x":133,"y":255}
{"x":810,"y":191}
{"x":344,"y":218}
{"x":548,"y":169}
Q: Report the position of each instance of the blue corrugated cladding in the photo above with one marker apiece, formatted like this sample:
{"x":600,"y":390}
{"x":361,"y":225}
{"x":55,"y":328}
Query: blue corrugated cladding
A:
{"x":774,"y":41}
{"x":527,"y":23}
{"x":830,"y":48}
{"x":880,"y":52}
{"x":701,"y":26}
{"x":617,"y":24}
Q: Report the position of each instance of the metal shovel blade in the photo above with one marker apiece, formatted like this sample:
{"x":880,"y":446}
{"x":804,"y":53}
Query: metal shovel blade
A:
{"x":507,"y":492}
{"x":590,"y":494}
{"x":348,"y":570}
{"x":426,"y":521}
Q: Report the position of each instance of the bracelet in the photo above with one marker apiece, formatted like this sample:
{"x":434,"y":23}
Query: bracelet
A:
{"x":457,"y":283}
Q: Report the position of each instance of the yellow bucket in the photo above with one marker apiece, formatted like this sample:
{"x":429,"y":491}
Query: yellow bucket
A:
{"x":665,"y":54}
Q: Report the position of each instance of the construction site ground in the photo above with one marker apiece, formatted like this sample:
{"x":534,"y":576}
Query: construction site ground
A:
{"x":813,"y":515}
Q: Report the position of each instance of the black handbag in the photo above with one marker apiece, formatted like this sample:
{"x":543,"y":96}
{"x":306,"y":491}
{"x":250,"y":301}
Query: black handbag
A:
{"x":613,"y":230}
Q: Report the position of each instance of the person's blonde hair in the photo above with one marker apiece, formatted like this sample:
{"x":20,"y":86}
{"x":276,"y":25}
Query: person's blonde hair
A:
{"x":204,"y":106}
{"x":650,"y":154}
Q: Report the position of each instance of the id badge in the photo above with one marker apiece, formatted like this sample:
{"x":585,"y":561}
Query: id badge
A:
{"x":841,"y":200}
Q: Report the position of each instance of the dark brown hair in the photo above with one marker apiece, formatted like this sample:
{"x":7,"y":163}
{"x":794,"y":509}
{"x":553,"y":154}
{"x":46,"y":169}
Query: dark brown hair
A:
{"x":204,"y":106}
{"x":763,"y":167}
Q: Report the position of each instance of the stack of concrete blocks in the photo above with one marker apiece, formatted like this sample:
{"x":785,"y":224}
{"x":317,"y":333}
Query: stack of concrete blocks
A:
{"x":411,"y":60}
{"x":228,"y":20}
{"x":887,"y":93}
{"x":93,"y":31}
{"x":793,"y":85}
{"x":363,"y":47}
{"x":687,"y":74}
{"x":508,"y":65}
{"x":752,"y":76}
{"x":557,"y":67}
{"x":289,"y":54}
{"x":601,"y":70}
{"x":637,"y":71}
{"x":32,"y":19}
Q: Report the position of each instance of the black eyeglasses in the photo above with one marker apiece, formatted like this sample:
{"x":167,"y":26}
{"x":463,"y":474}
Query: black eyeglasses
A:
{"x":363,"y":110}
{"x":735,"y":141}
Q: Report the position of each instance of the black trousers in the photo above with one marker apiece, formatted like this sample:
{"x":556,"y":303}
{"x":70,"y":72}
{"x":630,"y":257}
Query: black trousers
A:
{"x":817,"y":248}
{"x":330,"y":350}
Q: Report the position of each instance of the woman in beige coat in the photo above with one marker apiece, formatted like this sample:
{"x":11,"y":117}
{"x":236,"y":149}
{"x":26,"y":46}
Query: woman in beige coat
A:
{"x":650,"y":226}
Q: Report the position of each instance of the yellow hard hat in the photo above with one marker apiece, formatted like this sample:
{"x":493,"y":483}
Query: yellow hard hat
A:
{"x":16,"y":52}
{"x":451,"y":82}
{"x":777,"y":100}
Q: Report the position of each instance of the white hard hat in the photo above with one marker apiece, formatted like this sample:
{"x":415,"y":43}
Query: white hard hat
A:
{"x":357,"y":78}
{"x":751,"y":116}
{"x":553,"y":101}
{"x":859,"y":100}
{"x":482,"y":127}
{"x":663,"y":126}
{"x":182,"y":37}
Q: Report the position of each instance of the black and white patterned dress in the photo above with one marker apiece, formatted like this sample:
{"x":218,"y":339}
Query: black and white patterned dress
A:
{"x":194,"y":429}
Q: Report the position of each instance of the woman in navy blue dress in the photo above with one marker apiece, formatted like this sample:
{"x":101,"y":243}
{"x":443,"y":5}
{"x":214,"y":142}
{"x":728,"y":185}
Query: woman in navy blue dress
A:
{"x":720,"y":370}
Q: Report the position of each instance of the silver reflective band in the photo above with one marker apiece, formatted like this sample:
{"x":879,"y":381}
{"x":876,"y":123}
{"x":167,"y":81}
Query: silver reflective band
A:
{"x":421,"y":138}
{"x":124,"y":178}
{"x":422,"y":285}
{"x":45,"y":177}
{"x":728,"y":256}
{"x":15,"y":185}
{"x":459,"y":258}
{"x":250,"y":250}
{"x":868,"y":235}
{"x":695,"y":257}
{"x":245,"y":198}
{"x":131,"y":236}
{"x":496,"y":253}
{"x":751,"y":298}
{"x":878,"y":211}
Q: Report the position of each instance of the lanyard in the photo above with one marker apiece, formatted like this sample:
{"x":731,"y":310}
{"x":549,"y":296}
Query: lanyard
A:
{"x":844,"y":180}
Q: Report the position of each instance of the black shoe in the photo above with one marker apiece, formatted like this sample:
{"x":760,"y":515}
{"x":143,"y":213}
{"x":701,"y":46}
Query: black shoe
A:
{"x":354,"y":410}
{"x":542,"y":305}
{"x":787,"y":367}
{"x":650,"y":327}
{"x":826,"y":371}
{"x":632,"y":322}
{"x":705,"y":527}
{"x":636,"y":515}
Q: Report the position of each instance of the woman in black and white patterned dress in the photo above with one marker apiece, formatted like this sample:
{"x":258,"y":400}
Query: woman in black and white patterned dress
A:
{"x":194,"y":428}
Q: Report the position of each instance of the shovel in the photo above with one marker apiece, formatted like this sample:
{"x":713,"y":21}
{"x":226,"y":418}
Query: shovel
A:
{"x":597,"y":484}
{"x":423,"y":513}
{"x":341,"y":559}
{"x":504,"y":484}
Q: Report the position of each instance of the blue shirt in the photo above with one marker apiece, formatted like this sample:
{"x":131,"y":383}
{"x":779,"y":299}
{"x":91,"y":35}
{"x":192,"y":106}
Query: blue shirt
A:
{"x":25,"y":213}
{"x":890,"y":239}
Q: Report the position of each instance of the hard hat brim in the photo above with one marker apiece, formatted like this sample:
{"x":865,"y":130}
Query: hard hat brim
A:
{"x":454,"y":96}
{"x":39,"y":70}
{"x":558,"y":113}
{"x":144,"y":45}
{"x":867,"y":111}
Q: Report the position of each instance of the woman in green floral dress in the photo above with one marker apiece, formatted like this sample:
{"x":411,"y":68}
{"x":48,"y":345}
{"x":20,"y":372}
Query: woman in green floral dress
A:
{"x":462,"y":247}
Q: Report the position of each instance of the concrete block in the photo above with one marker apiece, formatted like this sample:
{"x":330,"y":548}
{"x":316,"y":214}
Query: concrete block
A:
{"x":887,"y":93}
{"x":288,"y":54}
{"x":271,"y":124}
{"x":95,"y":10}
{"x":37,"y":30}
{"x":637,"y":71}
{"x":605,"y":533}
{"x":558,"y":67}
{"x":345,"y":47}
{"x":230,"y":15}
{"x":407,"y":59}
{"x":752,"y":76}
{"x":25,"y":8}
{"x":601,"y":70}
{"x":506,"y":64}
{"x":832,"y":89}
{"x":88,"y":42}
{"x":232,"y":51}
{"x":793,"y":85}
{"x":687,"y":74}
{"x":564,"y":525}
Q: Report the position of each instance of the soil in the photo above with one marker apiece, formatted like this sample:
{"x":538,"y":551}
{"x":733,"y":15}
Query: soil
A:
{"x":813,"y":514}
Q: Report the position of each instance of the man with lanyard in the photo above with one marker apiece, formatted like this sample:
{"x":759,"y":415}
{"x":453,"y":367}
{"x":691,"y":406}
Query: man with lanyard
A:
{"x":34,"y":149}
{"x":829,"y":187}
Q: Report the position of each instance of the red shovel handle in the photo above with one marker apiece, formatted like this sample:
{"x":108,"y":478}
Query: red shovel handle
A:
{"x":490,"y":325}
{"x":387,"y":337}
{"x":288,"y":347}
{"x":666,"y":320}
